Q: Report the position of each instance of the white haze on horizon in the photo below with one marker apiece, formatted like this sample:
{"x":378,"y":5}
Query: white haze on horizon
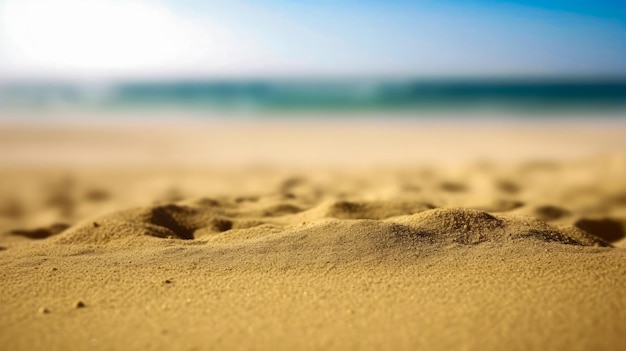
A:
{"x":109,"y":39}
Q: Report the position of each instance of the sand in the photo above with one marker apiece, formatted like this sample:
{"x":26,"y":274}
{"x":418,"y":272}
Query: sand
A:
{"x":313,"y":235}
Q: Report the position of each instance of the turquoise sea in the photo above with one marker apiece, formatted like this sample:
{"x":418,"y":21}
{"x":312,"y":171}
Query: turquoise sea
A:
{"x":339,"y":95}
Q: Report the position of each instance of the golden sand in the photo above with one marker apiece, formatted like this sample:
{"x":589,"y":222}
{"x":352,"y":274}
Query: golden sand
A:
{"x":312,"y":247}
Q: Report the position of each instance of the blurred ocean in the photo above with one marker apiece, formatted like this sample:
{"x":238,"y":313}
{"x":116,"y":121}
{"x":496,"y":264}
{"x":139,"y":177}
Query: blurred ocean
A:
{"x":427,"y":95}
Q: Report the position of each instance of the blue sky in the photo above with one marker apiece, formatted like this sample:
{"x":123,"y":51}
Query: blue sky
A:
{"x":179,"y":38}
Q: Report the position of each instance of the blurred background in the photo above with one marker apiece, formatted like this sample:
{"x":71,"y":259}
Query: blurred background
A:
{"x":249,"y":82}
{"x":270,"y":57}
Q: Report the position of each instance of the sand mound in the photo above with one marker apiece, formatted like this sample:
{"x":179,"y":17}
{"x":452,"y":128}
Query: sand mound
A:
{"x":467,"y":226}
{"x":366,"y":225}
{"x":167,"y":221}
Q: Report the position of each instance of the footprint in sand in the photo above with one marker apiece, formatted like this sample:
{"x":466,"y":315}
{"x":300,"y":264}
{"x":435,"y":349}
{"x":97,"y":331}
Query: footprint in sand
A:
{"x":549,"y":212}
{"x":608,"y":229}
{"x":41,"y":233}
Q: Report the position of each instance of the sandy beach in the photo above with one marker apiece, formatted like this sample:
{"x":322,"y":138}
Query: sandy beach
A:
{"x":314,"y":234}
